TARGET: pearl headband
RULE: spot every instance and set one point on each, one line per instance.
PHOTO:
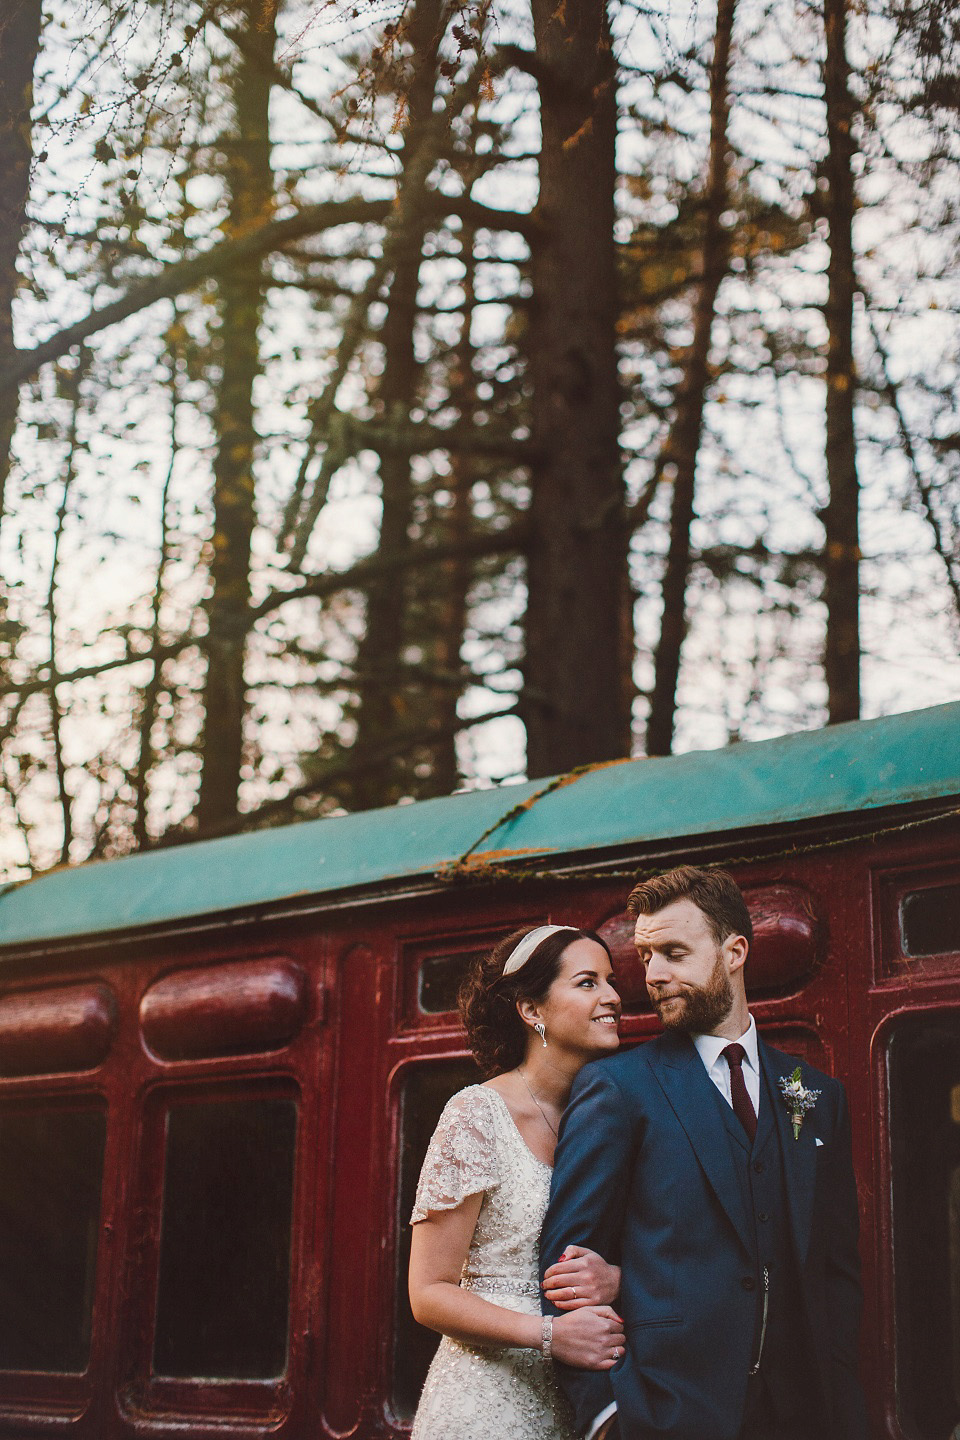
(522, 952)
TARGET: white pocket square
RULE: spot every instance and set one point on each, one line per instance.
(817, 1141)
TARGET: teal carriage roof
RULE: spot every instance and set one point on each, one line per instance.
(864, 765)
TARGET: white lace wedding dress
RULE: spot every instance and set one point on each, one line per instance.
(485, 1392)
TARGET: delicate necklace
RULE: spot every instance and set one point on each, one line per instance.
(538, 1105)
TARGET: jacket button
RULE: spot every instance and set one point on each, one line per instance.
(758, 1166)
(763, 1215)
(748, 1282)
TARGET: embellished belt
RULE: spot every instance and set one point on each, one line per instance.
(501, 1284)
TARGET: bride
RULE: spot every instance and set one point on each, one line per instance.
(536, 1009)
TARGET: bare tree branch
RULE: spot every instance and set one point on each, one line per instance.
(499, 542)
(41, 680)
(50, 606)
(892, 393)
(151, 693)
(344, 767)
(182, 275)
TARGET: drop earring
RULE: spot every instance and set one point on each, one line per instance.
(541, 1030)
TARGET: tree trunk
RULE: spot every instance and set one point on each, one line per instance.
(449, 609)
(250, 182)
(841, 560)
(147, 719)
(383, 707)
(20, 29)
(577, 569)
(683, 443)
(72, 386)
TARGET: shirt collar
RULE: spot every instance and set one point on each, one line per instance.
(711, 1047)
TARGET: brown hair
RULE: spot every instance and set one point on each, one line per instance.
(713, 892)
(488, 998)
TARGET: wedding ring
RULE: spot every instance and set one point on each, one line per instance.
(574, 1289)
(616, 1352)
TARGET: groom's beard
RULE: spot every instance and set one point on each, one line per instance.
(697, 1009)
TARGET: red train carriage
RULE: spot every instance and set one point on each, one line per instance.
(220, 1064)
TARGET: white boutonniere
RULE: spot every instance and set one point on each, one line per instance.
(798, 1099)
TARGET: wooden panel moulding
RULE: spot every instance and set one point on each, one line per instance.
(785, 937)
(241, 1007)
(805, 1041)
(51, 1031)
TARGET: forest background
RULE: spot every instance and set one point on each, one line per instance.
(397, 397)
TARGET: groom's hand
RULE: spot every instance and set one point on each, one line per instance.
(581, 1277)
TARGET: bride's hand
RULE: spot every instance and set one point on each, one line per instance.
(581, 1277)
(590, 1339)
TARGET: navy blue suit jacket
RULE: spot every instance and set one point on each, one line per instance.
(645, 1175)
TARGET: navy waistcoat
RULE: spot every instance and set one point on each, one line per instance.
(786, 1354)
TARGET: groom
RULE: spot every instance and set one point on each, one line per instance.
(736, 1229)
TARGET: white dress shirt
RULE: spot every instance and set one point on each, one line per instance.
(601, 1420)
(710, 1048)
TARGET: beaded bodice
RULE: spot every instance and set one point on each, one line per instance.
(477, 1147)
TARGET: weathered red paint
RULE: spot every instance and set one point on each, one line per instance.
(246, 1007)
(832, 983)
(785, 937)
(68, 1027)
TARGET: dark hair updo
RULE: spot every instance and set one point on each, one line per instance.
(488, 998)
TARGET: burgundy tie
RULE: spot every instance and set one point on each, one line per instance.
(742, 1104)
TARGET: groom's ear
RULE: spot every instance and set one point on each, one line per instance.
(735, 949)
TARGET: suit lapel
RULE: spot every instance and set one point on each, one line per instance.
(799, 1155)
(734, 1129)
(693, 1098)
(766, 1126)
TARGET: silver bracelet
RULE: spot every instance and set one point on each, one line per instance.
(546, 1336)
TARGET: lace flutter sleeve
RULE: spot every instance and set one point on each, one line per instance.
(461, 1158)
